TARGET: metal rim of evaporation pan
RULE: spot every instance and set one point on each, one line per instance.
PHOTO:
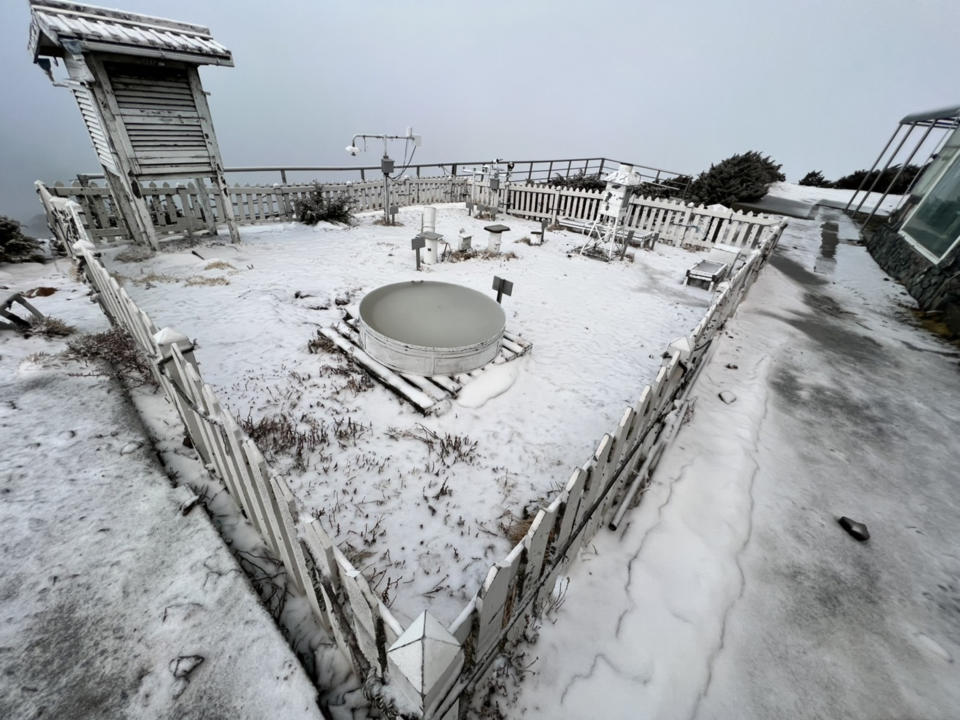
(430, 328)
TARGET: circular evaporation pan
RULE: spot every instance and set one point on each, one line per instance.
(430, 328)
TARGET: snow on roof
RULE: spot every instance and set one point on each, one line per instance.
(58, 25)
(947, 113)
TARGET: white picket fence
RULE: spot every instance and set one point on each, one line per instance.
(517, 588)
(676, 222)
(338, 593)
(192, 207)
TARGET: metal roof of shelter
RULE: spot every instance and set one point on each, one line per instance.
(60, 27)
(948, 117)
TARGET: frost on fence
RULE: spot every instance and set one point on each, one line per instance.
(192, 207)
(424, 670)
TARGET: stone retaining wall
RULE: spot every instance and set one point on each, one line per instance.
(934, 286)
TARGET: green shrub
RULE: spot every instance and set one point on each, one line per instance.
(815, 178)
(580, 181)
(15, 246)
(674, 187)
(739, 178)
(853, 180)
(315, 208)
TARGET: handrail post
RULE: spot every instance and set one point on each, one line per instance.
(910, 129)
(872, 168)
(283, 176)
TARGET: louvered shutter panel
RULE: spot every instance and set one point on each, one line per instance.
(91, 118)
(160, 117)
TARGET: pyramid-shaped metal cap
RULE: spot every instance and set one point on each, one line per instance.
(424, 653)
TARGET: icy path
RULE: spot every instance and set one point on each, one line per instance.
(105, 583)
(734, 593)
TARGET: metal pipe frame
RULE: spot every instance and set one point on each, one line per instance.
(879, 174)
(899, 173)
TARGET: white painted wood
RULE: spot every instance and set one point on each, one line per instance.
(493, 599)
(536, 542)
(572, 495)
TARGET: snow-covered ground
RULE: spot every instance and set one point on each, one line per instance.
(114, 603)
(733, 592)
(424, 523)
(813, 195)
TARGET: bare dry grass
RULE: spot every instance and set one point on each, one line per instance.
(51, 327)
(219, 265)
(199, 280)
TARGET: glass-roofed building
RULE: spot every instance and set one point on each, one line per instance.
(920, 242)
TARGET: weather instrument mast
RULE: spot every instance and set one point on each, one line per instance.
(386, 162)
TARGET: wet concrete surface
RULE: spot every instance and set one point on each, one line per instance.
(863, 411)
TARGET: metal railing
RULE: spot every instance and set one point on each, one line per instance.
(519, 170)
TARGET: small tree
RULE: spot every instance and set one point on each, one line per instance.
(15, 246)
(670, 188)
(743, 177)
(580, 181)
(815, 178)
(315, 208)
(882, 179)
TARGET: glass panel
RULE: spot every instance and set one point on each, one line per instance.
(936, 223)
(936, 166)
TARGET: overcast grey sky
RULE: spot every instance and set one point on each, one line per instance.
(679, 84)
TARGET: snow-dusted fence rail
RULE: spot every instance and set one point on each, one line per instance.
(677, 222)
(192, 207)
(426, 669)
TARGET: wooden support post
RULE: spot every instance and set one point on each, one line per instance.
(190, 219)
(206, 124)
(204, 197)
(283, 176)
(132, 211)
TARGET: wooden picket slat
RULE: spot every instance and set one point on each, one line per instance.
(494, 599)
